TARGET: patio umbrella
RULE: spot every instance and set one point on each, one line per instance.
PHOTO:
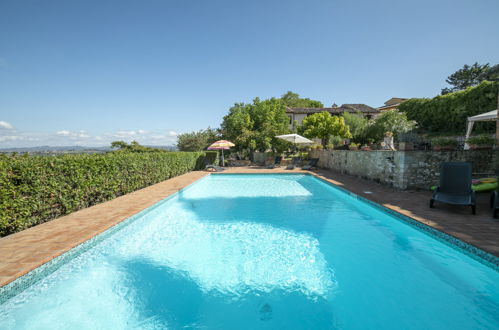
(295, 139)
(221, 145)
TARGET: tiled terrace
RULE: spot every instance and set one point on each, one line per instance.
(26, 250)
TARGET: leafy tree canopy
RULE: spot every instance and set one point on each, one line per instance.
(491, 75)
(323, 125)
(293, 100)
(389, 121)
(254, 126)
(197, 140)
(470, 75)
(357, 124)
(448, 113)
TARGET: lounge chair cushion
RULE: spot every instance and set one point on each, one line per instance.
(214, 167)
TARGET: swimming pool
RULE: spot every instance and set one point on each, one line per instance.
(262, 251)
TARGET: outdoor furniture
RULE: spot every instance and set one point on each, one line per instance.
(296, 161)
(208, 166)
(277, 162)
(311, 164)
(455, 185)
(494, 201)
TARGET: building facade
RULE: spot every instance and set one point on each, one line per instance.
(392, 104)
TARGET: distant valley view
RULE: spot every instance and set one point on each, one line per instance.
(53, 150)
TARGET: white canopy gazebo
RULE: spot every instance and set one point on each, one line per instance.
(487, 116)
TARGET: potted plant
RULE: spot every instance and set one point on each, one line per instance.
(353, 146)
(444, 143)
(480, 142)
(365, 147)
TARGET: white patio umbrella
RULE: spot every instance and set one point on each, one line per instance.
(487, 116)
(295, 138)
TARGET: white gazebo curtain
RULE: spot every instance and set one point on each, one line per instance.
(487, 116)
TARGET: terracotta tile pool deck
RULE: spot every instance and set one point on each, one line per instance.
(26, 250)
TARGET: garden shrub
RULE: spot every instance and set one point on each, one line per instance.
(394, 122)
(444, 142)
(449, 113)
(36, 189)
(481, 140)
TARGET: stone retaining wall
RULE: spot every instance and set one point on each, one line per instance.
(259, 157)
(404, 169)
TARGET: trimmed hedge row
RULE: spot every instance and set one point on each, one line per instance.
(448, 113)
(36, 189)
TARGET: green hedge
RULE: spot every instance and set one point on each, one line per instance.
(36, 189)
(448, 113)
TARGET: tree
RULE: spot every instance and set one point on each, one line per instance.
(119, 145)
(293, 100)
(492, 74)
(197, 140)
(468, 76)
(237, 126)
(357, 124)
(269, 120)
(254, 126)
(134, 146)
(389, 121)
(323, 125)
(449, 113)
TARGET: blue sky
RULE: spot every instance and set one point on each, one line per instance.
(89, 72)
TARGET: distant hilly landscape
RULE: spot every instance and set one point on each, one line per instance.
(69, 149)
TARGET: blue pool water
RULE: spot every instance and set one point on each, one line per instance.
(263, 252)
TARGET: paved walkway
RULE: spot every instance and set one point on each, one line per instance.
(26, 250)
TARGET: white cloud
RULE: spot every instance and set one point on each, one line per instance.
(5, 125)
(124, 134)
(10, 138)
(63, 133)
(128, 133)
(73, 135)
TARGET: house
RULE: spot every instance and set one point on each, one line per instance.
(392, 104)
(296, 115)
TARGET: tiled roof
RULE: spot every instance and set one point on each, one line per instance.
(351, 108)
(360, 108)
(395, 100)
(389, 106)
